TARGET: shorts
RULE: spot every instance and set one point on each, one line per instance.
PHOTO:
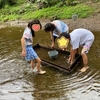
(30, 53)
(86, 47)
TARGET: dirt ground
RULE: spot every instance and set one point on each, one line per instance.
(92, 23)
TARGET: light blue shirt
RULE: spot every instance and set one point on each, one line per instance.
(60, 27)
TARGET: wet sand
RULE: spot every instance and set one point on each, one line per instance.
(92, 23)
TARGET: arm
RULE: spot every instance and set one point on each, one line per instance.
(23, 46)
(72, 55)
(52, 39)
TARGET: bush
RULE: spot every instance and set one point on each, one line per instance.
(69, 2)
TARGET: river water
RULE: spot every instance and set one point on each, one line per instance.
(18, 83)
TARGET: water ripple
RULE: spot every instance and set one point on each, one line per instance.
(54, 85)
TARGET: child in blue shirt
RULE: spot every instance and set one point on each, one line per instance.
(55, 28)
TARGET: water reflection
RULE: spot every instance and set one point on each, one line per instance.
(16, 81)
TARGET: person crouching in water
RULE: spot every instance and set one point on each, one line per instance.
(27, 40)
(79, 38)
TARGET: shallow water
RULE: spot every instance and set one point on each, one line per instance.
(18, 83)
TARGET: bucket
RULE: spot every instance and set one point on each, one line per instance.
(74, 17)
(53, 54)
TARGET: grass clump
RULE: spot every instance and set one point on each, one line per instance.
(28, 11)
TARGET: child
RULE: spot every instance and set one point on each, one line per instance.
(55, 28)
(27, 40)
(79, 38)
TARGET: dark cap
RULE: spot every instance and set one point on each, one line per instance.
(49, 27)
(65, 34)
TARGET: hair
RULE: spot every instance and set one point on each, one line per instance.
(65, 34)
(49, 27)
(35, 21)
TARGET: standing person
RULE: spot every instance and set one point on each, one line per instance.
(27, 40)
(55, 28)
(79, 37)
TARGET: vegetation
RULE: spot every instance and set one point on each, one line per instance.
(60, 9)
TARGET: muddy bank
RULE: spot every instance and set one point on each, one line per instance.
(92, 23)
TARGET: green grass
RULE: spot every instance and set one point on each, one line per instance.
(31, 12)
(63, 12)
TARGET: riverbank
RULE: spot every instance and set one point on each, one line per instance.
(92, 23)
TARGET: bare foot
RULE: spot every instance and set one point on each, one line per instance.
(84, 69)
(42, 72)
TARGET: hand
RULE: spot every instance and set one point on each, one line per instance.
(52, 46)
(69, 60)
(23, 53)
(63, 49)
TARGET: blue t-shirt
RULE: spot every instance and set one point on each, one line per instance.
(60, 27)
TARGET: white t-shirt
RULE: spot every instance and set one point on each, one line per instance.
(60, 27)
(80, 37)
(28, 36)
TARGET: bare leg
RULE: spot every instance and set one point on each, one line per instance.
(85, 61)
(32, 64)
(38, 60)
